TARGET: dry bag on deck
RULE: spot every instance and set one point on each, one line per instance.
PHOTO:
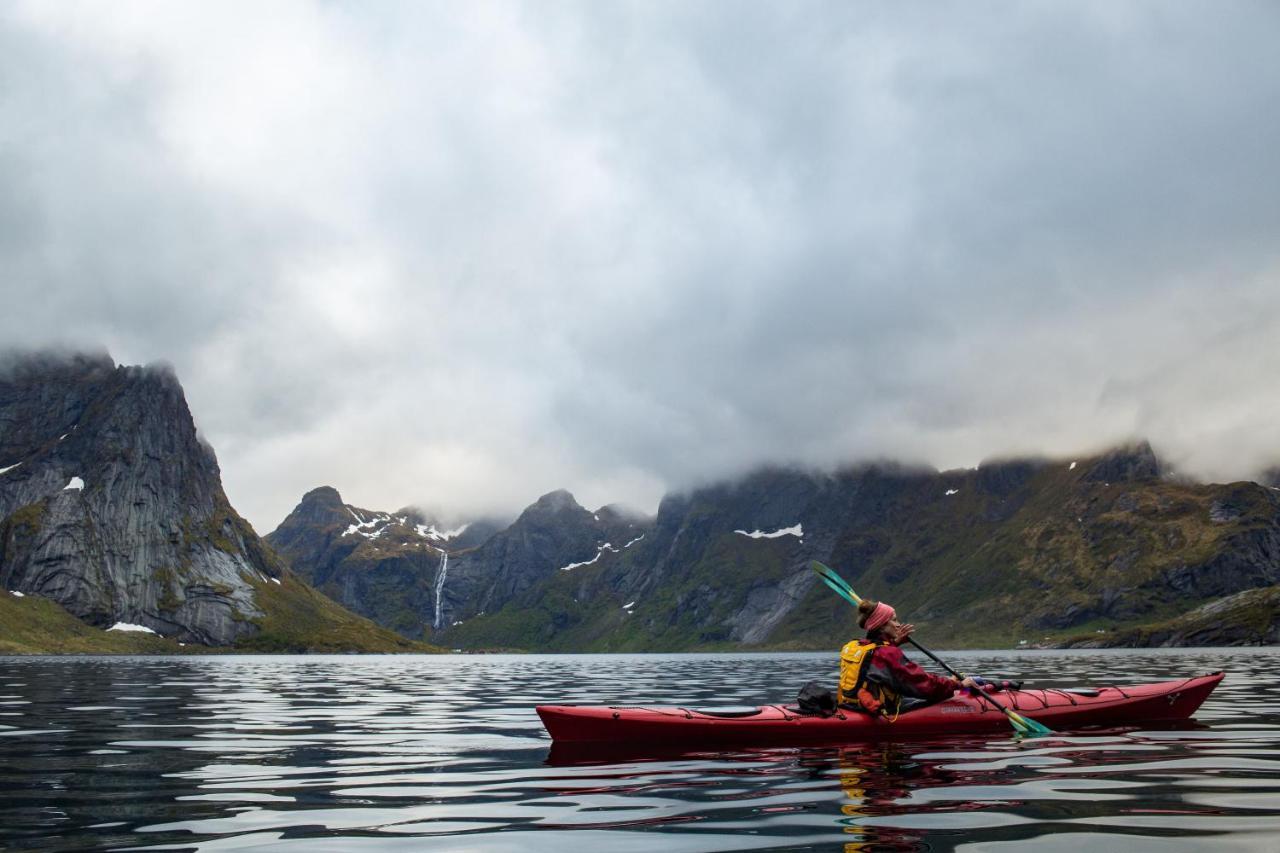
(816, 699)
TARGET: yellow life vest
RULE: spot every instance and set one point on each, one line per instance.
(855, 690)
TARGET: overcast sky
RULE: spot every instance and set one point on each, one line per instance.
(461, 254)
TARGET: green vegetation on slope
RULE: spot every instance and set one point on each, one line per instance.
(32, 625)
(300, 619)
(1251, 617)
(297, 619)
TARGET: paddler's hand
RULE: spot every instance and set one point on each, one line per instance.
(903, 633)
(967, 682)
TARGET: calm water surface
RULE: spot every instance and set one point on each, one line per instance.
(445, 753)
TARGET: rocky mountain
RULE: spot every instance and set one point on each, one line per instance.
(408, 573)
(1023, 550)
(384, 565)
(553, 536)
(112, 507)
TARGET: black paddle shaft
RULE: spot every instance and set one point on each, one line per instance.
(940, 662)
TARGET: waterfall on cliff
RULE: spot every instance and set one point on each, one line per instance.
(443, 570)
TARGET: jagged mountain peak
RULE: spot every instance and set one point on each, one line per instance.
(622, 514)
(321, 507)
(415, 515)
(1006, 476)
(46, 365)
(327, 495)
(54, 390)
(557, 501)
(1129, 462)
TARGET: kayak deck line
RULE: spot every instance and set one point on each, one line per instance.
(962, 713)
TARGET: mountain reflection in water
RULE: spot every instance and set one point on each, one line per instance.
(444, 753)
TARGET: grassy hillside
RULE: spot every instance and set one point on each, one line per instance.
(1249, 618)
(33, 625)
(298, 619)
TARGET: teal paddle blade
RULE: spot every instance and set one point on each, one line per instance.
(840, 592)
(834, 580)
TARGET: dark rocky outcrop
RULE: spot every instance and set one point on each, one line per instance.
(1006, 478)
(113, 507)
(1248, 618)
(1132, 463)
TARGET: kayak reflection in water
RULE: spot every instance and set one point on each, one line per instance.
(883, 780)
(877, 678)
(874, 781)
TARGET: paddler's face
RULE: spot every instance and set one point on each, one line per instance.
(892, 630)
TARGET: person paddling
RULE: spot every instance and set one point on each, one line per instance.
(877, 678)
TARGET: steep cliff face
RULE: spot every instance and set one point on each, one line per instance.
(113, 507)
(112, 510)
(391, 567)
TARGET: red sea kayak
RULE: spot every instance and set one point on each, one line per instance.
(961, 714)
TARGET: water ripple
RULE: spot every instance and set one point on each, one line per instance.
(364, 753)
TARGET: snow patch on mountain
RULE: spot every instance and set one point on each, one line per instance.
(605, 547)
(371, 529)
(796, 530)
(430, 531)
(126, 626)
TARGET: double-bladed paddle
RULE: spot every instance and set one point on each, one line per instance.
(1022, 725)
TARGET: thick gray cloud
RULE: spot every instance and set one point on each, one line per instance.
(462, 254)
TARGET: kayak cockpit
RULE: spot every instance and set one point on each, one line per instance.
(729, 713)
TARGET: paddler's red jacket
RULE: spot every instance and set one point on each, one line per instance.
(891, 668)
